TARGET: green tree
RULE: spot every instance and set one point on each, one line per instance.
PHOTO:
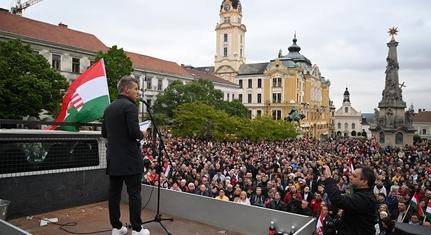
(28, 84)
(199, 120)
(202, 121)
(117, 65)
(234, 108)
(178, 93)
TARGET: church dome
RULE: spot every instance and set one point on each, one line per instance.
(294, 58)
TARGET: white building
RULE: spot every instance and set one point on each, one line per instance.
(347, 119)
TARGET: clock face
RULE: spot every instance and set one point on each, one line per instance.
(226, 7)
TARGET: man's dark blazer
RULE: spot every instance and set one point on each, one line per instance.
(121, 127)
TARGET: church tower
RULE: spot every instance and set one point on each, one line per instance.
(392, 124)
(230, 41)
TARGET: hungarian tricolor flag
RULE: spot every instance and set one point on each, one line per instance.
(415, 204)
(319, 226)
(85, 99)
(428, 211)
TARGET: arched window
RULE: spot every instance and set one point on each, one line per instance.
(353, 126)
(382, 137)
(346, 126)
(339, 125)
(399, 138)
(353, 133)
(339, 133)
(346, 109)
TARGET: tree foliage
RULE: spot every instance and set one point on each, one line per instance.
(199, 120)
(117, 65)
(234, 108)
(178, 93)
(28, 84)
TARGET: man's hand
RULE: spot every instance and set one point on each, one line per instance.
(326, 172)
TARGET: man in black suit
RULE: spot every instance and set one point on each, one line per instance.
(359, 208)
(124, 159)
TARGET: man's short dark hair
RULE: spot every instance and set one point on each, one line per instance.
(368, 175)
(126, 82)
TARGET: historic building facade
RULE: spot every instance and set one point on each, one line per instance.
(392, 124)
(71, 52)
(348, 121)
(275, 87)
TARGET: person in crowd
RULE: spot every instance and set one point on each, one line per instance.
(401, 214)
(125, 163)
(243, 199)
(277, 203)
(222, 196)
(203, 191)
(257, 199)
(360, 208)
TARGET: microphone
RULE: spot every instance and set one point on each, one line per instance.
(141, 98)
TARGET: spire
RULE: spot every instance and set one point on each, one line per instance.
(294, 47)
(392, 94)
(346, 96)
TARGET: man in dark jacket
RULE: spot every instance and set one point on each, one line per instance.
(360, 208)
(124, 159)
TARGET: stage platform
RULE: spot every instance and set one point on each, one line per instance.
(94, 217)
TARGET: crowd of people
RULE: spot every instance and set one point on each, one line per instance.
(286, 175)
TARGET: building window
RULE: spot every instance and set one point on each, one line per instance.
(148, 81)
(276, 114)
(276, 97)
(233, 96)
(159, 84)
(259, 98)
(250, 83)
(249, 100)
(225, 37)
(249, 113)
(353, 126)
(228, 96)
(240, 53)
(240, 83)
(339, 125)
(276, 82)
(240, 98)
(56, 62)
(227, 19)
(259, 113)
(353, 133)
(75, 65)
(225, 52)
(346, 126)
(346, 109)
(424, 131)
(259, 83)
(399, 138)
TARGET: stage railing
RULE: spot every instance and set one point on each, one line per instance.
(231, 216)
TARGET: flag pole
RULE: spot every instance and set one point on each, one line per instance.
(406, 213)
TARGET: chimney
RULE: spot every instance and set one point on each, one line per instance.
(62, 25)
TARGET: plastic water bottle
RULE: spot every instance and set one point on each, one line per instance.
(271, 229)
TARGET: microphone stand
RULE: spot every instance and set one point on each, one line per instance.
(158, 218)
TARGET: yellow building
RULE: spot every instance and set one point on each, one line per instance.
(271, 88)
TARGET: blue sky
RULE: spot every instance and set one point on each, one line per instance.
(345, 38)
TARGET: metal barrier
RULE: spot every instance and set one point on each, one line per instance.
(232, 216)
(44, 170)
(9, 229)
